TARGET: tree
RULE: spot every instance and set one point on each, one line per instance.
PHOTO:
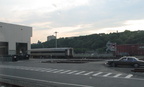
(98, 42)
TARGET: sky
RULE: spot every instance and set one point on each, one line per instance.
(72, 18)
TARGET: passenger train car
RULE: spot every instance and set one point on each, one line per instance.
(52, 53)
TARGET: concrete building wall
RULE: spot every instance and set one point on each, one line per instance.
(13, 34)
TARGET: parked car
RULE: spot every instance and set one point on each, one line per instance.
(132, 61)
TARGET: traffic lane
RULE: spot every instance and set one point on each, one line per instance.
(126, 69)
(91, 66)
(41, 78)
(66, 80)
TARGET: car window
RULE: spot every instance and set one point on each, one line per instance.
(131, 59)
(135, 59)
(123, 59)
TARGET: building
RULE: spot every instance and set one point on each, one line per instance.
(130, 50)
(14, 39)
(51, 37)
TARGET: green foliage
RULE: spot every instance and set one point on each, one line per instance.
(94, 42)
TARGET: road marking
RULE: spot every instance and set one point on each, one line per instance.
(107, 74)
(26, 69)
(58, 71)
(117, 75)
(36, 69)
(39, 69)
(42, 70)
(80, 72)
(39, 80)
(88, 73)
(65, 71)
(31, 69)
(17, 67)
(52, 70)
(72, 72)
(97, 73)
(129, 76)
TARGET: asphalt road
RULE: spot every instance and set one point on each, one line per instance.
(33, 73)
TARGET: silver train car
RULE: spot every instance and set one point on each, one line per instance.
(52, 53)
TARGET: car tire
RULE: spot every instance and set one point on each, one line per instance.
(136, 65)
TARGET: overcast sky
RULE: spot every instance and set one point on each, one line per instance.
(73, 17)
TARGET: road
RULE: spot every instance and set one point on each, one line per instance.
(33, 73)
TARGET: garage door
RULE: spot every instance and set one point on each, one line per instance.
(3, 48)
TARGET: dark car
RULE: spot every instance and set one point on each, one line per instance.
(132, 61)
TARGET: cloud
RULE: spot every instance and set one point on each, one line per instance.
(73, 17)
(28, 9)
(62, 32)
(104, 10)
(38, 25)
(41, 5)
(132, 25)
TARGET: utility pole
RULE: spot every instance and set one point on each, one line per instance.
(56, 39)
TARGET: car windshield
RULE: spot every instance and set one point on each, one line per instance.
(134, 58)
(122, 59)
(66, 43)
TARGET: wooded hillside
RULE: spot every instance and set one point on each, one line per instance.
(95, 42)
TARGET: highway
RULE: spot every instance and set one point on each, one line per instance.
(33, 73)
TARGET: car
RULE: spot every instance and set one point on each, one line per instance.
(132, 61)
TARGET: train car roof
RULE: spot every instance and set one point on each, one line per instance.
(39, 49)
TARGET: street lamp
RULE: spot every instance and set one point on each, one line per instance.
(56, 39)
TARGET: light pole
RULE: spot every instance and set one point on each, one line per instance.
(56, 39)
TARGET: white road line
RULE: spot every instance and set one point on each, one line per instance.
(32, 69)
(58, 71)
(80, 72)
(129, 76)
(117, 75)
(39, 80)
(51, 70)
(28, 69)
(72, 72)
(97, 74)
(88, 73)
(45, 70)
(65, 71)
(36, 70)
(61, 71)
(25, 69)
(107, 74)
(42, 70)
(21, 68)
(17, 68)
